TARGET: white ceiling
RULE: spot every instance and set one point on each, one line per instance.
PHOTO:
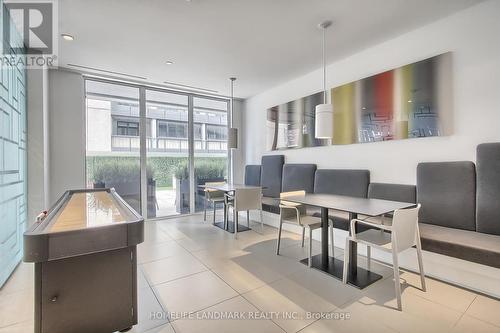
(261, 42)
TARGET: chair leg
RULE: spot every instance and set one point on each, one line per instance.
(397, 284)
(261, 221)
(310, 247)
(332, 244)
(248, 218)
(226, 211)
(368, 257)
(235, 223)
(205, 209)
(420, 263)
(346, 260)
(215, 206)
(303, 235)
(279, 238)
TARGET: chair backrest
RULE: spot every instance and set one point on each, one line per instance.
(213, 184)
(292, 193)
(247, 199)
(285, 214)
(404, 226)
(213, 193)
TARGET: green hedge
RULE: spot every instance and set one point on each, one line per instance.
(102, 168)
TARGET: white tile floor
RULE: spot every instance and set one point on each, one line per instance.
(187, 266)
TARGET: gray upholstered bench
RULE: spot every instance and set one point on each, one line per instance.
(447, 192)
(463, 244)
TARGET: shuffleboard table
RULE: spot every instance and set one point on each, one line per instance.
(84, 251)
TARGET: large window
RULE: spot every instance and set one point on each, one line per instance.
(185, 135)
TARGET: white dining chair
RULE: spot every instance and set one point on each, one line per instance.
(396, 238)
(244, 199)
(213, 196)
(294, 213)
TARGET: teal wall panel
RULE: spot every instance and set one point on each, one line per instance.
(12, 162)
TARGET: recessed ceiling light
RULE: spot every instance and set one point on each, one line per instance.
(67, 37)
(409, 101)
(169, 62)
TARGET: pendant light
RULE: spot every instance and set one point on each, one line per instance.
(324, 112)
(232, 135)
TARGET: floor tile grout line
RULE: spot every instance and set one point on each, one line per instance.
(480, 319)
(159, 259)
(260, 310)
(180, 278)
(209, 306)
(463, 314)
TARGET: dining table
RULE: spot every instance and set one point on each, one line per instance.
(229, 188)
(354, 206)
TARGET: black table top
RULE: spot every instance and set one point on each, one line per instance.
(365, 206)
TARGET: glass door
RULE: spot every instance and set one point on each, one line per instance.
(113, 144)
(167, 152)
(210, 117)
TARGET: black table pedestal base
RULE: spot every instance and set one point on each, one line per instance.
(230, 227)
(335, 267)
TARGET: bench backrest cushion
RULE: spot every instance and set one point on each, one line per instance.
(353, 183)
(252, 175)
(271, 173)
(447, 192)
(488, 188)
(298, 177)
(394, 192)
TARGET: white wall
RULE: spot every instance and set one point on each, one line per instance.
(67, 132)
(38, 145)
(471, 36)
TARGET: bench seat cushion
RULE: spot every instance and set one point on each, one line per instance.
(463, 244)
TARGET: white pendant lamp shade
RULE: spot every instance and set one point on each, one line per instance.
(232, 133)
(232, 138)
(324, 121)
(324, 112)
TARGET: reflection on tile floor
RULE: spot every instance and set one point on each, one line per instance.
(191, 273)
